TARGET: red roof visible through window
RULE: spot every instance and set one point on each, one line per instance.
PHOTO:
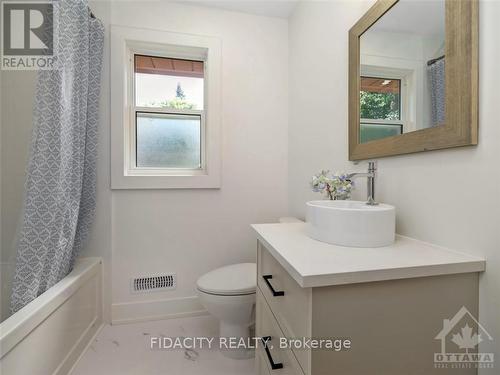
(380, 85)
(168, 66)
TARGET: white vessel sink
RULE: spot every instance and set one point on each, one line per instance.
(351, 223)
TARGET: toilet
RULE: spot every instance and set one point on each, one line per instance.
(228, 293)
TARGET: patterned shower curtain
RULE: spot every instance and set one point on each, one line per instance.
(60, 182)
(436, 72)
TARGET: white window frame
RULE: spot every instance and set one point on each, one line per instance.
(402, 101)
(409, 99)
(133, 169)
(127, 42)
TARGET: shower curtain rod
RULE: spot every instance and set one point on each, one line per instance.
(430, 62)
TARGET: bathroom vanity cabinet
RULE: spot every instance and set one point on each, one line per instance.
(390, 303)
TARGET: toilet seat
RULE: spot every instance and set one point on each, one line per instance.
(233, 280)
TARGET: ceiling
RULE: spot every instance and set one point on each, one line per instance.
(270, 8)
(414, 17)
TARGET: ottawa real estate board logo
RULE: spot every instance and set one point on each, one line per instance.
(27, 35)
(460, 337)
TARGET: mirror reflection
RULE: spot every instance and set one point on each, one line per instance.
(402, 68)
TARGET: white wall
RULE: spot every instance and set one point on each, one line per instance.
(403, 55)
(17, 103)
(186, 231)
(193, 231)
(99, 244)
(447, 197)
(318, 100)
(17, 90)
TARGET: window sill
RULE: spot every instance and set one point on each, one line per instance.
(123, 182)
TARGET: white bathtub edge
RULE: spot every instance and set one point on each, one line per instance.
(77, 352)
(16, 327)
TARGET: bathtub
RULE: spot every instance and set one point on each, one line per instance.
(49, 334)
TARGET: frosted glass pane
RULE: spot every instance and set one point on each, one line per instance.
(168, 141)
(371, 132)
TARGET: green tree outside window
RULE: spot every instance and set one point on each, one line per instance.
(381, 106)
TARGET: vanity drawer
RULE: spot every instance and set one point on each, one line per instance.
(266, 326)
(260, 362)
(292, 309)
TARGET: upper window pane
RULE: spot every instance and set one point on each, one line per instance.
(168, 83)
(380, 98)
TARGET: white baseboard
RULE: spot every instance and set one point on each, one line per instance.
(123, 313)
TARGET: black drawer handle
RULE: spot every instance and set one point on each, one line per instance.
(276, 293)
(274, 366)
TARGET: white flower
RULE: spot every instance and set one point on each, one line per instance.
(334, 186)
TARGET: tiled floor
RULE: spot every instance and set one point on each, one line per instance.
(125, 350)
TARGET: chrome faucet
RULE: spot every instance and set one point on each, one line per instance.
(370, 175)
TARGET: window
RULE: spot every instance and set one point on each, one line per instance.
(165, 110)
(380, 108)
(168, 113)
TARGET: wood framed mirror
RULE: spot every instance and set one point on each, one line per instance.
(413, 77)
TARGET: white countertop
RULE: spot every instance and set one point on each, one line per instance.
(312, 263)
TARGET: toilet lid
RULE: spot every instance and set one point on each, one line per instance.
(230, 280)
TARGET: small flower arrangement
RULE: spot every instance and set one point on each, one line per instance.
(335, 186)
